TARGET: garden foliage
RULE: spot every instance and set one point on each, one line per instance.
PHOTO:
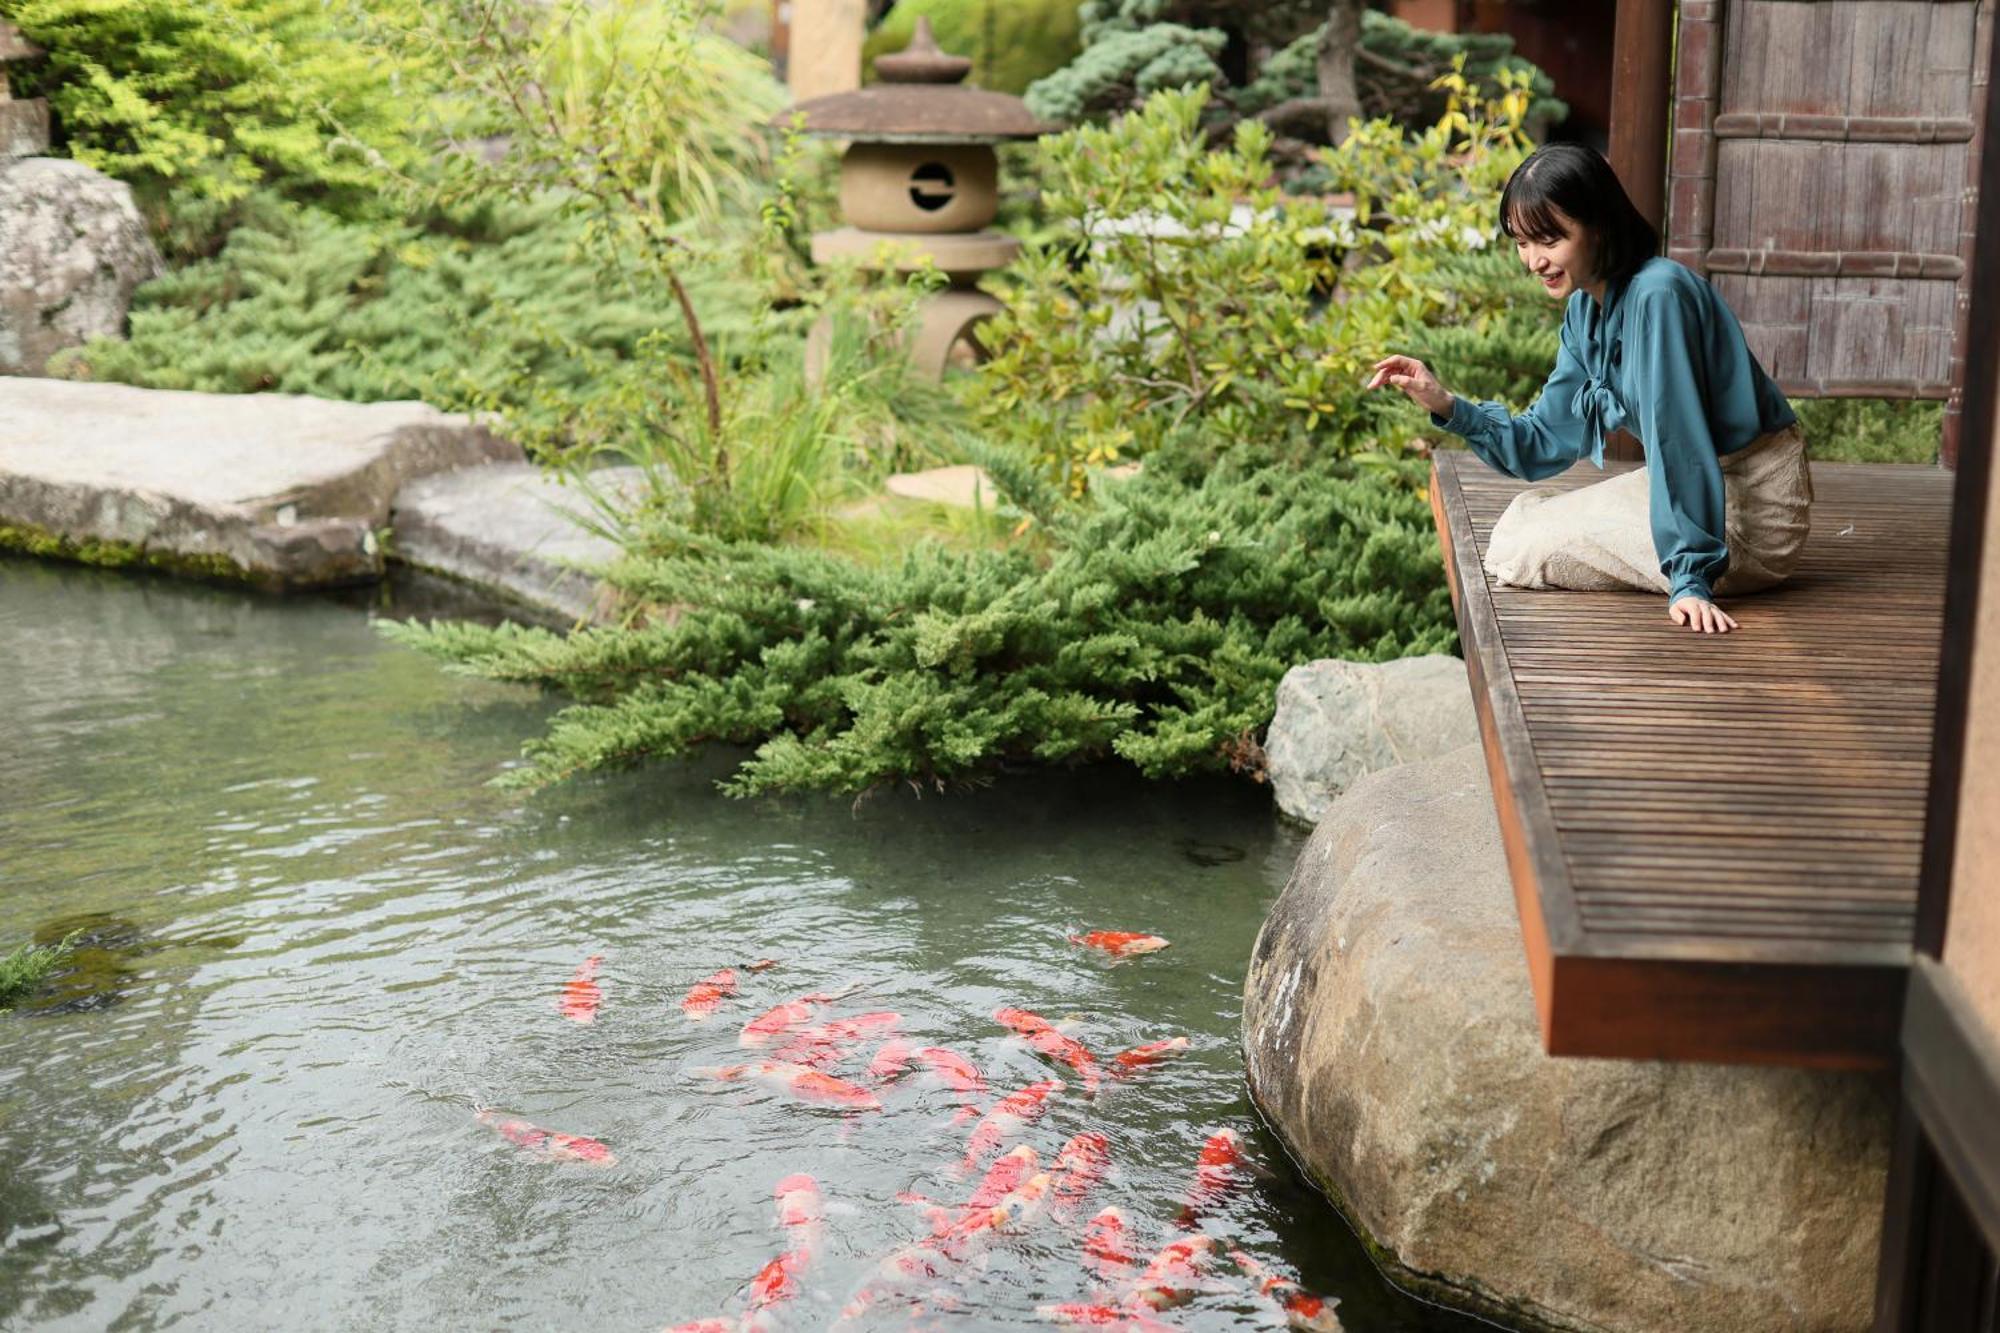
(1182, 295)
(1011, 43)
(1134, 48)
(1157, 634)
(212, 99)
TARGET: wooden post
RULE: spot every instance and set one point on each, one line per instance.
(1641, 64)
(824, 47)
(1641, 67)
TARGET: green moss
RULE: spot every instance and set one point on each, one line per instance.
(27, 539)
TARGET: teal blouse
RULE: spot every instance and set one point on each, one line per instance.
(1665, 359)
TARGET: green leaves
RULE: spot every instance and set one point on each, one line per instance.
(1157, 633)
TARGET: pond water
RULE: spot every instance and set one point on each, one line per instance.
(314, 942)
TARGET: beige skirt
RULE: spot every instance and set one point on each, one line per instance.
(1600, 537)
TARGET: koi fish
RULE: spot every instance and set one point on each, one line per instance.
(1107, 1245)
(959, 1075)
(1152, 1053)
(777, 1281)
(1044, 1039)
(800, 1211)
(547, 1143)
(706, 996)
(1302, 1309)
(800, 1081)
(1120, 943)
(826, 1043)
(890, 1060)
(1080, 1164)
(1217, 1169)
(708, 1326)
(761, 965)
(581, 994)
(1102, 1316)
(1016, 1206)
(779, 1019)
(1173, 1274)
(1009, 1116)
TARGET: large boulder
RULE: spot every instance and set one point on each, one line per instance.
(1391, 1040)
(72, 249)
(274, 489)
(1338, 720)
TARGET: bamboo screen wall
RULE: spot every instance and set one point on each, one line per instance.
(1822, 175)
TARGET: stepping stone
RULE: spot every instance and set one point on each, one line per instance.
(277, 490)
(513, 528)
(962, 487)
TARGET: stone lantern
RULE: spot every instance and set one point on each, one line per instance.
(920, 175)
(24, 126)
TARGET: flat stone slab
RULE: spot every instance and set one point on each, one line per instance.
(279, 490)
(1390, 1038)
(961, 486)
(513, 528)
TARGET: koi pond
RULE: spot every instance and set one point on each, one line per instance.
(314, 946)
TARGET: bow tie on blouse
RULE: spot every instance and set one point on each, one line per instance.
(1597, 407)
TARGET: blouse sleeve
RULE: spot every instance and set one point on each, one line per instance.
(1684, 473)
(1540, 442)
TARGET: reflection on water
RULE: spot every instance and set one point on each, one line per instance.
(314, 943)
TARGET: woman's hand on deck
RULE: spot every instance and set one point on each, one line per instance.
(1414, 378)
(1701, 615)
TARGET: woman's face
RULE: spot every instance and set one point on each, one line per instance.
(1563, 266)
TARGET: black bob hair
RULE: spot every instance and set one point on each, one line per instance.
(1578, 181)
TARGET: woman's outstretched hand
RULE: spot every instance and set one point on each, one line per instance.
(1701, 615)
(1414, 378)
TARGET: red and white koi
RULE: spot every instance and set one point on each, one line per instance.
(581, 995)
(547, 1144)
(1218, 1169)
(1107, 1245)
(780, 1019)
(800, 1211)
(1080, 1165)
(803, 1082)
(1044, 1038)
(706, 996)
(1009, 1116)
(827, 1043)
(1301, 1308)
(891, 1059)
(1173, 1274)
(1152, 1053)
(1085, 1315)
(1120, 943)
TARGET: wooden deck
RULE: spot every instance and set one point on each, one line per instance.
(1714, 839)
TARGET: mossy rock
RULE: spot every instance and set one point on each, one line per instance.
(1011, 42)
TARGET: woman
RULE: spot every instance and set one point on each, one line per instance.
(1722, 503)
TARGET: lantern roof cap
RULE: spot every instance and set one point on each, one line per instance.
(922, 99)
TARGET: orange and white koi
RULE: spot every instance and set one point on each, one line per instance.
(547, 1143)
(1152, 1053)
(706, 996)
(581, 994)
(776, 1282)
(1085, 1315)
(1080, 1164)
(1217, 1170)
(803, 1082)
(1045, 1039)
(1173, 1274)
(708, 1326)
(953, 1070)
(891, 1058)
(822, 1045)
(1120, 943)
(1009, 1116)
(776, 1021)
(1107, 1245)
(1302, 1309)
(761, 965)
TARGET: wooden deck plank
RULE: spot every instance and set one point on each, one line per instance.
(1714, 839)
